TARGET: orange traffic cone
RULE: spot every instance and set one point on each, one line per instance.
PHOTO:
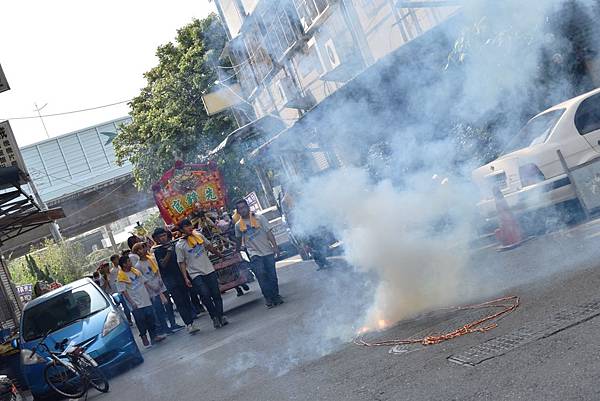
(509, 233)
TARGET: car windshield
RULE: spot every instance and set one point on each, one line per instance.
(535, 131)
(61, 310)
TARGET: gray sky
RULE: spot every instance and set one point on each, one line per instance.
(75, 54)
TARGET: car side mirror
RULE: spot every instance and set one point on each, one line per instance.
(15, 343)
(116, 298)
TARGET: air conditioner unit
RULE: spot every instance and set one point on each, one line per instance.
(332, 54)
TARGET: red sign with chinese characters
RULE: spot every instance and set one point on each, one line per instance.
(185, 185)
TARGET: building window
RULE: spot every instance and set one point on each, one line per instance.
(280, 34)
(309, 10)
(243, 70)
(259, 57)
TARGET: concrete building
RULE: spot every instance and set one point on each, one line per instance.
(291, 56)
(64, 165)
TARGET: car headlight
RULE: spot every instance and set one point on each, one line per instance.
(111, 323)
(28, 357)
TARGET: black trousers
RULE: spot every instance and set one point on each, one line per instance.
(318, 249)
(144, 320)
(263, 268)
(208, 288)
(179, 293)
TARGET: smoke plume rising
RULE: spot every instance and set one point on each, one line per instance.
(408, 229)
(406, 211)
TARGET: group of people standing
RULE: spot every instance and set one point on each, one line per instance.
(151, 273)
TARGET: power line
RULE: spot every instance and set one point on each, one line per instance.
(67, 112)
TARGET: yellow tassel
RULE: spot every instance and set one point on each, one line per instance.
(153, 264)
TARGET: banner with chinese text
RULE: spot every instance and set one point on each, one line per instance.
(185, 185)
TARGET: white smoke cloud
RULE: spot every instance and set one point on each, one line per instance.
(406, 230)
(412, 239)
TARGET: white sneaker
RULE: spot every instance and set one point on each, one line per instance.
(193, 328)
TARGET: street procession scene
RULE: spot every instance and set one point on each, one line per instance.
(268, 200)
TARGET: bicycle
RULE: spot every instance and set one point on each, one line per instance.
(71, 371)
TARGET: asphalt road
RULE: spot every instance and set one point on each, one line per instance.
(302, 350)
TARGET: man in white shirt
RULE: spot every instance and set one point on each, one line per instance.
(149, 268)
(193, 259)
(133, 286)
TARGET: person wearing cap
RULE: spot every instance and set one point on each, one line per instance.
(166, 257)
(192, 255)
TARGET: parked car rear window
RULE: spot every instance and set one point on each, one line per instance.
(535, 131)
(587, 118)
(62, 310)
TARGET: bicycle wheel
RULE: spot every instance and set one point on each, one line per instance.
(64, 381)
(93, 375)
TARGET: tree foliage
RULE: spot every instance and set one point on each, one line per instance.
(169, 119)
(63, 262)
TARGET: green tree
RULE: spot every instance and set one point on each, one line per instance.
(20, 271)
(152, 222)
(169, 119)
(64, 262)
(34, 270)
(48, 277)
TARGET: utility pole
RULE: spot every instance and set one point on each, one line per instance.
(111, 237)
(39, 109)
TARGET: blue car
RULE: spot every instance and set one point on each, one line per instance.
(82, 313)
